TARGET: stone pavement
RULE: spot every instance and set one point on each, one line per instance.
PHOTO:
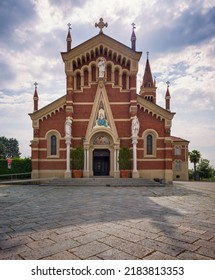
(52, 222)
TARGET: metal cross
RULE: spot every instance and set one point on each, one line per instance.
(69, 25)
(101, 25)
(168, 83)
(133, 24)
(35, 84)
(147, 54)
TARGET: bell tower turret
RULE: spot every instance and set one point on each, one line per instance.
(148, 87)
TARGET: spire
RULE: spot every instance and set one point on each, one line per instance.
(36, 98)
(167, 97)
(148, 87)
(133, 38)
(147, 78)
(69, 38)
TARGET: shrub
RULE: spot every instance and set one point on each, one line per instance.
(18, 166)
(124, 158)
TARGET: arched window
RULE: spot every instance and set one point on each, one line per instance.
(93, 70)
(53, 145)
(149, 144)
(109, 73)
(150, 137)
(116, 77)
(78, 81)
(124, 80)
(86, 77)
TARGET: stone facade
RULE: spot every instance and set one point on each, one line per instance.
(101, 106)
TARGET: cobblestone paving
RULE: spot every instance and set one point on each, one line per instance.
(50, 222)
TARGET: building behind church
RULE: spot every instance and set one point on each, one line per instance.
(102, 112)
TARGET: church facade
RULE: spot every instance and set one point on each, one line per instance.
(102, 112)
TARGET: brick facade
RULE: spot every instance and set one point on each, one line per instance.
(103, 108)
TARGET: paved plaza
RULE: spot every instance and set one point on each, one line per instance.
(63, 222)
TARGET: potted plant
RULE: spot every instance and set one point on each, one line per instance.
(124, 162)
(77, 161)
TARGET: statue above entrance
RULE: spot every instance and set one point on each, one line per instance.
(101, 119)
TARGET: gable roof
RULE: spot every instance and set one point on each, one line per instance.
(106, 42)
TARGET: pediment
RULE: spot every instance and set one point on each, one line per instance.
(101, 44)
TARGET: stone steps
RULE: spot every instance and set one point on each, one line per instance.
(103, 181)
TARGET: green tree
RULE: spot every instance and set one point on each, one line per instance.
(205, 170)
(195, 157)
(9, 147)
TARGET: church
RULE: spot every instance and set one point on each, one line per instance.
(102, 112)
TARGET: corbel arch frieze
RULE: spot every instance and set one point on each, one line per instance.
(51, 113)
(101, 50)
(149, 111)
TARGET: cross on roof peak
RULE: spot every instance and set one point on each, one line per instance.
(101, 25)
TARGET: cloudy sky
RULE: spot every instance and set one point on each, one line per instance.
(180, 36)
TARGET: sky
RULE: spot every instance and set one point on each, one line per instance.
(179, 36)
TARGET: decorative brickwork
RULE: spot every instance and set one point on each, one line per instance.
(101, 106)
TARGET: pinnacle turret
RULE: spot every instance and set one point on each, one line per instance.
(69, 38)
(133, 38)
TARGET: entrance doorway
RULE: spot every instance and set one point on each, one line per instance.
(101, 162)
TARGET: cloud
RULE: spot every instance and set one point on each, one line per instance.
(186, 27)
(180, 36)
(16, 19)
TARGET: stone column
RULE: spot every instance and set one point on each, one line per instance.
(116, 171)
(117, 158)
(135, 173)
(135, 126)
(115, 161)
(68, 138)
(68, 170)
(86, 161)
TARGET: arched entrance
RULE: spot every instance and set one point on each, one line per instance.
(101, 154)
(101, 162)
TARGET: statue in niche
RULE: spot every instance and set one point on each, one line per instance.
(101, 118)
(101, 66)
(135, 126)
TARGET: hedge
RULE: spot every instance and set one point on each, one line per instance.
(18, 166)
